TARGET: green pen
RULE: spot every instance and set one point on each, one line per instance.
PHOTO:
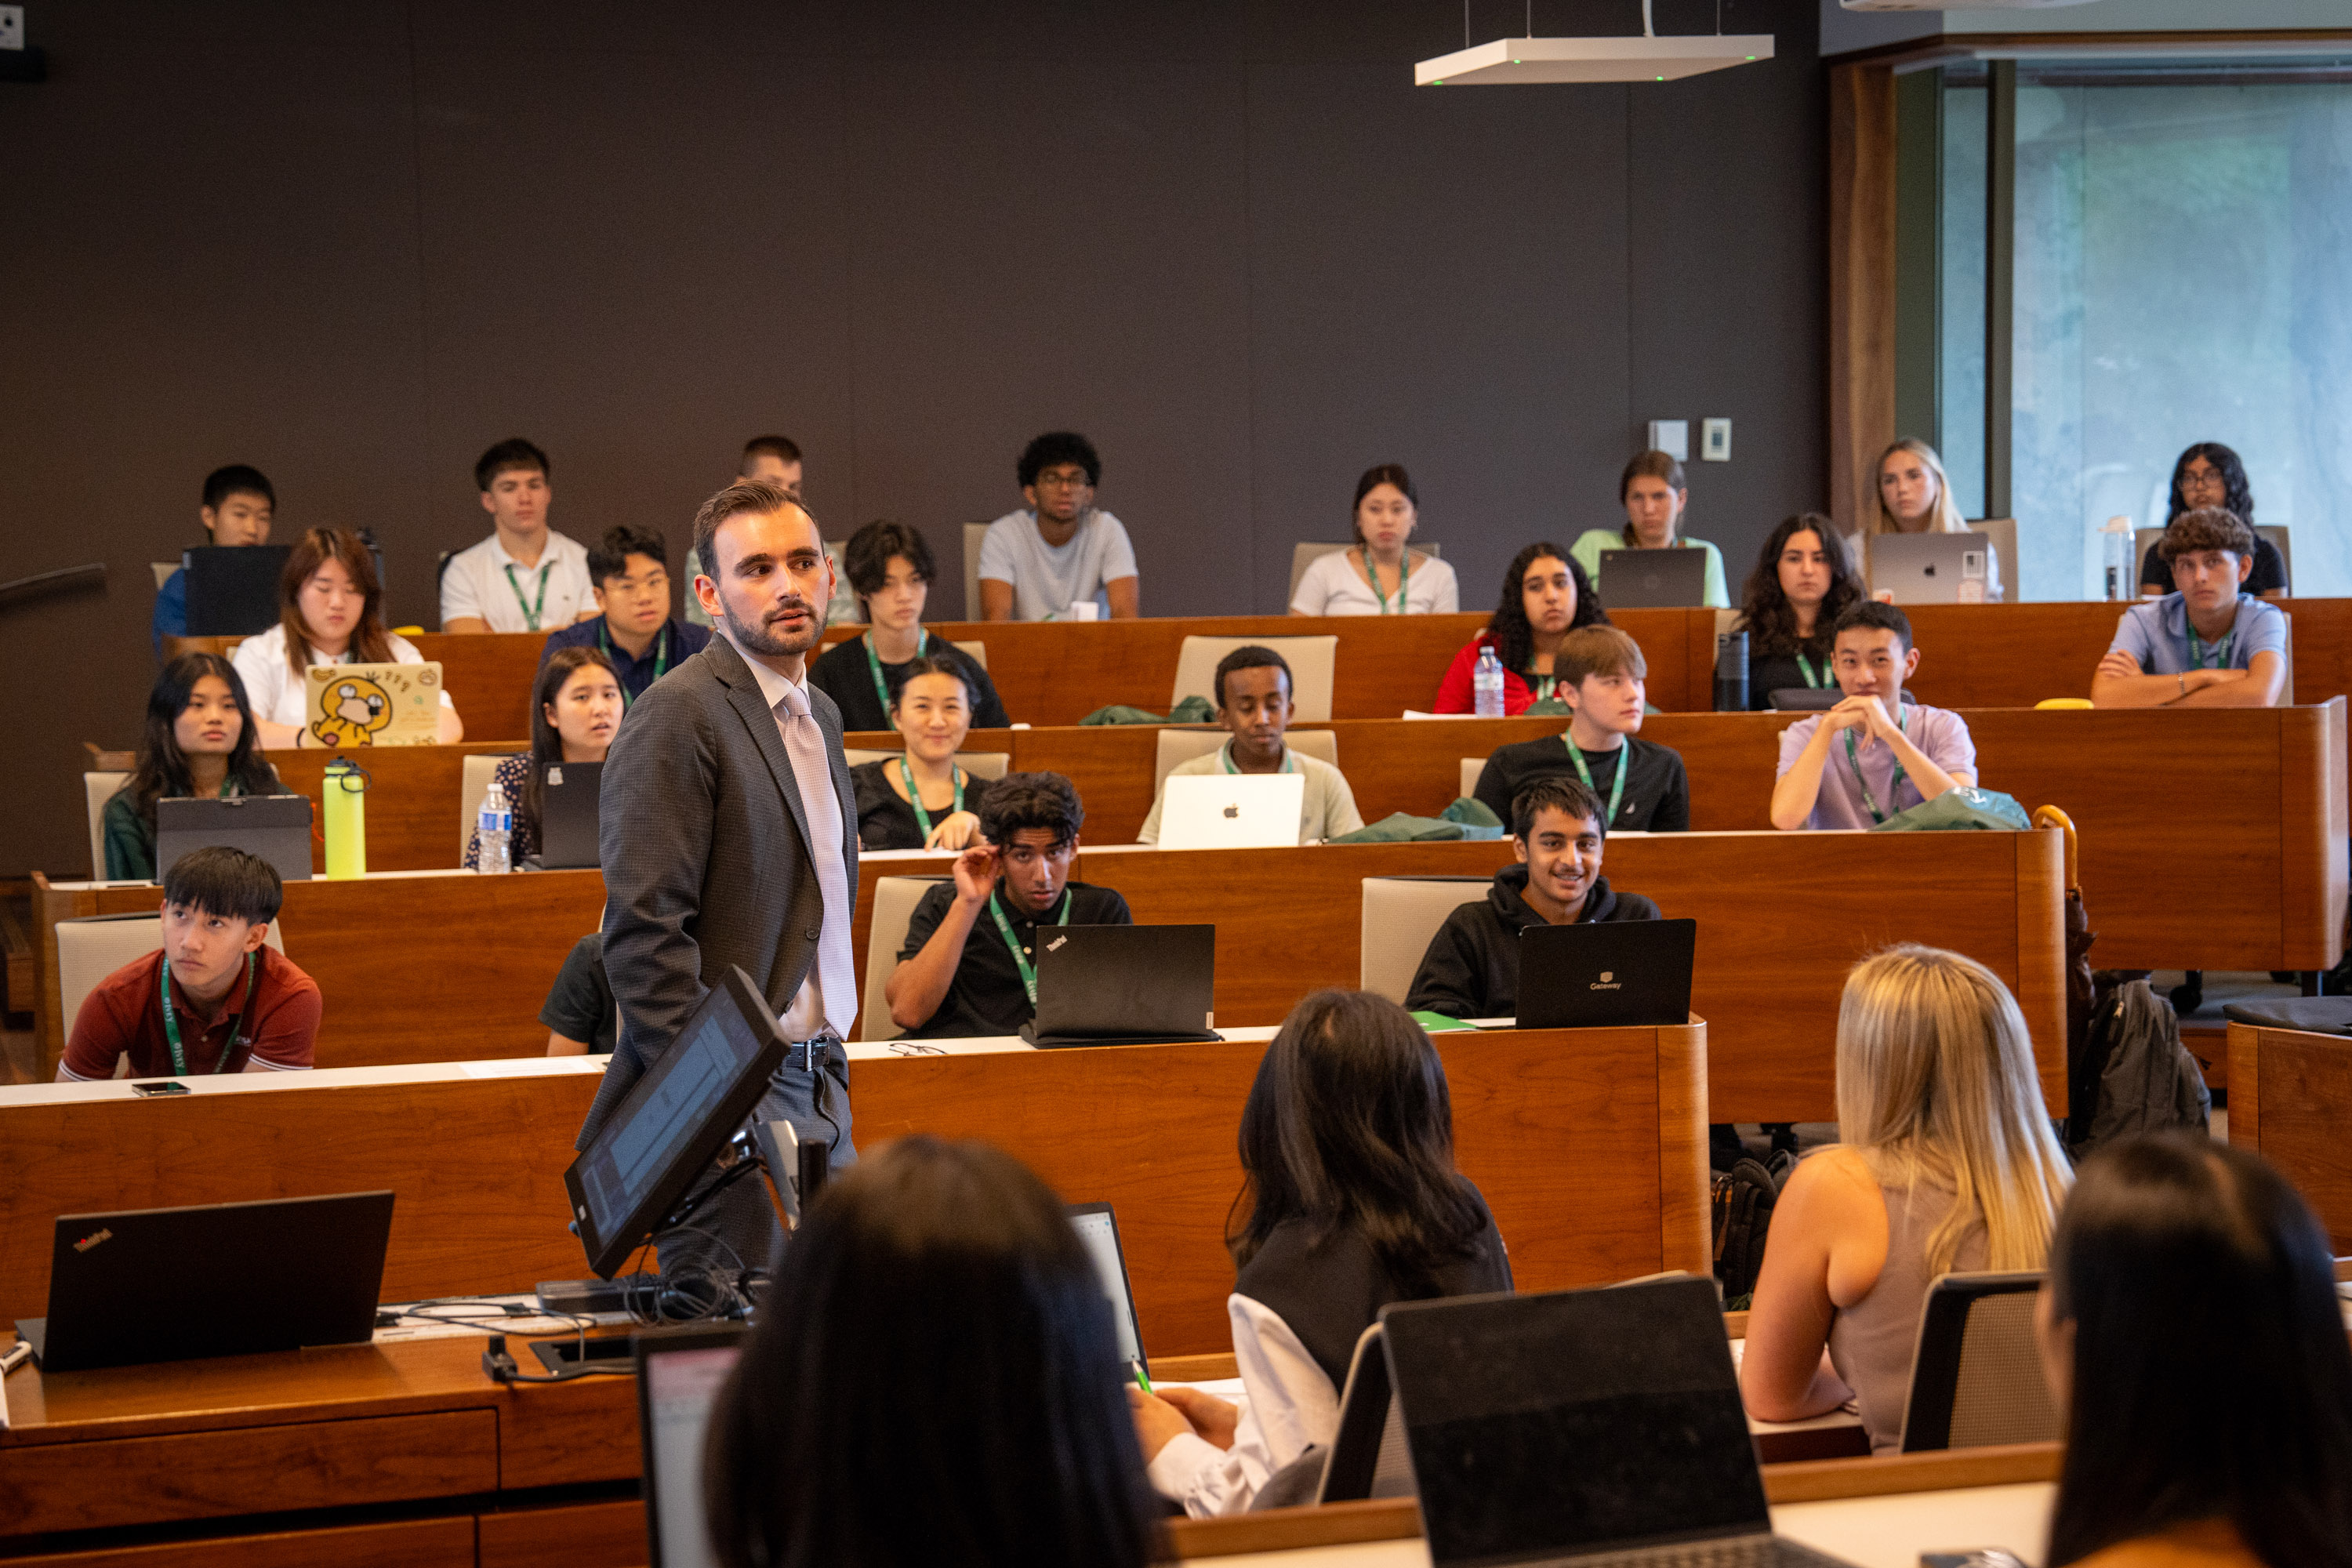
(1141, 1381)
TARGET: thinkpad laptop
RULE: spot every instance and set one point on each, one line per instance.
(1655, 579)
(680, 1374)
(274, 827)
(153, 1285)
(1124, 986)
(233, 589)
(1582, 1427)
(1097, 1227)
(1231, 811)
(1927, 568)
(1605, 976)
(567, 816)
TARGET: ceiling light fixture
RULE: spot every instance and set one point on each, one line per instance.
(1648, 58)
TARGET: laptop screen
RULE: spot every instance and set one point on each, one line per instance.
(1099, 1231)
(1580, 1421)
(678, 1386)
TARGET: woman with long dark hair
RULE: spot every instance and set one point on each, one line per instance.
(2190, 1324)
(1546, 595)
(1353, 1202)
(575, 711)
(935, 1379)
(2209, 474)
(200, 741)
(1803, 581)
(1380, 574)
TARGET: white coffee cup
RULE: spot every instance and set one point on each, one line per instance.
(1085, 610)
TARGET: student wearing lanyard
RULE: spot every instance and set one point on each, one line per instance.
(525, 577)
(920, 799)
(1378, 575)
(633, 628)
(1804, 580)
(2207, 643)
(889, 569)
(969, 965)
(1546, 595)
(1253, 704)
(215, 998)
(1871, 756)
(1601, 675)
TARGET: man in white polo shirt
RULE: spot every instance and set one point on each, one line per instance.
(525, 577)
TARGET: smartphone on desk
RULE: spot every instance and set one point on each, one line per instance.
(148, 1090)
(1988, 1557)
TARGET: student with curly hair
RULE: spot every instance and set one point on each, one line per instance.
(1546, 595)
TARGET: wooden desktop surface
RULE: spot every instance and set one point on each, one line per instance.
(445, 968)
(2290, 1101)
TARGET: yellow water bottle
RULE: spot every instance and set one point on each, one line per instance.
(346, 797)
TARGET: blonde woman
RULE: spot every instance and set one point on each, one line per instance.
(1914, 497)
(1948, 1164)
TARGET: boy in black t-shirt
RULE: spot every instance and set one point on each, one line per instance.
(967, 967)
(1642, 786)
(579, 1016)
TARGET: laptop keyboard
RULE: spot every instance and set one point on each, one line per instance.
(1738, 1552)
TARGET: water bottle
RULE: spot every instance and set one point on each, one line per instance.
(1731, 673)
(345, 795)
(2116, 543)
(494, 830)
(1488, 682)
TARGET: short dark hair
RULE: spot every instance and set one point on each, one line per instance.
(1253, 658)
(237, 480)
(509, 455)
(1020, 801)
(226, 882)
(609, 556)
(939, 663)
(1872, 615)
(2207, 528)
(1556, 792)
(783, 448)
(755, 497)
(866, 559)
(1055, 447)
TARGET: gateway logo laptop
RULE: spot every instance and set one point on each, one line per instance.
(1607, 982)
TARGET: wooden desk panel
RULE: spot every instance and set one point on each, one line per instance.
(444, 1543)
(2289, 1098)
(488, 676)
(412, 800)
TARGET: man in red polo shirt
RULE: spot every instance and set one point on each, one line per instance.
(215, 998)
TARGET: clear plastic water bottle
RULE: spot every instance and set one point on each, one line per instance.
(494, 832)
(1488, 682)
(2116, 542)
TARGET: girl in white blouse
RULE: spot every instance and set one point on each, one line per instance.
(1378, 575)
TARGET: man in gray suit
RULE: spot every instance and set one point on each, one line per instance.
(730, 838)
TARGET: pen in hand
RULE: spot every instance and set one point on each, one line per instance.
(1141, 1381)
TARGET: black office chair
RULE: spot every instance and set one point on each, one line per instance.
(1975, 1374)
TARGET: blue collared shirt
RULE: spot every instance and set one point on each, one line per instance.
(2157, 634)
(171, 609)
(683, 643)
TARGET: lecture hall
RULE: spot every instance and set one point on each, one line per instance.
(979, 941)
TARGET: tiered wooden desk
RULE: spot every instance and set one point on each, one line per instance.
(2291, 1102)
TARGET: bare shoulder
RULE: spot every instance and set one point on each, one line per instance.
(1829, 1185)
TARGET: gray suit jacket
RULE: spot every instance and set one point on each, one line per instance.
(704, 846)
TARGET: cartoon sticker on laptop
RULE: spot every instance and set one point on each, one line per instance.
(373, 704)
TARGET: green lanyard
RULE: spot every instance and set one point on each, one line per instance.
(239, 1041)
(1893, 784)
(915, 797)
(882, 692)
(1225, 755)
(531, 611)
(604, 645)
(1617, 789)
(1805, 665)
(1012, 943)
(1404, 580)
(2197, 646)
(1543, 686)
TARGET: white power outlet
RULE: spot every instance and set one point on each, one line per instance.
(11, 27)
(1715, 441)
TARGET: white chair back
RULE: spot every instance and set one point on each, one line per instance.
(895, 899)
(1471, 768)
(1311, 661)
(1177, 746)
(97, 789)
(162, 569)
(972, 534)
(1402, 914)
(979, 764)
(91, 948)
(473, 784)
(976, 649)
(1306, 553)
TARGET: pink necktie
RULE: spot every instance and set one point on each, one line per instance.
(836, 970)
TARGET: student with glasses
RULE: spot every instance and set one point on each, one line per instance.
(632, 627)
(2210, 475)
(1059, 549)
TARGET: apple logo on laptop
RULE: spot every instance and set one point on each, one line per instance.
(1929, 569)
(1232, 811)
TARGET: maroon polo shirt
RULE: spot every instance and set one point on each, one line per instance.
(123, 1015)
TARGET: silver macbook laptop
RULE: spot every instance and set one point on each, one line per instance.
(1928, 568)
(1653, 579)
(1231, 811)
(274, 827)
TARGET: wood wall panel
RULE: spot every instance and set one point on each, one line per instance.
(1862, 245)
(2289, 1098)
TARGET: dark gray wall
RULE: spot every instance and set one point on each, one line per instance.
(354, 244)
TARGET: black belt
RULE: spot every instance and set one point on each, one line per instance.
(818, 1052)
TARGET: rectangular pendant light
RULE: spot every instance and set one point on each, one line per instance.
(1512, 62)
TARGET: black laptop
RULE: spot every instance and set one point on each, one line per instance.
(1367, 1457)
(273, 827)
(1608, 975)
(1097, 1228)
(567, 816)
(233, 589)
(1582, 1425)
(1655, 579)
(151, 1285)
(1124, 986)
(680, 1374)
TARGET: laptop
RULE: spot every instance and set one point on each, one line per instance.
(1580, 1426)
(680, 1374)
(233, 589)
(1124, 986)
(1097, 1227)
(1367, 1457)
(153, 1285)
(373, 704)
(1927, 568)
(1231, 811)
(567, 816)
(1623, 974)
(1655, 579)
(276, 827)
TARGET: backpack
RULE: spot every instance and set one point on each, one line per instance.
(2134, 1075)
(1742, 1200)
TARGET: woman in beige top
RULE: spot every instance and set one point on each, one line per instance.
(2189, 1324)
(1947, 1164)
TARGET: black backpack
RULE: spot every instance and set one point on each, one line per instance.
(1743, 1198)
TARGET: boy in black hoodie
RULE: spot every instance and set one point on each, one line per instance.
(1471, 967)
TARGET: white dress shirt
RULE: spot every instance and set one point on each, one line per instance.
(476, 584)
(1290, 1407)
